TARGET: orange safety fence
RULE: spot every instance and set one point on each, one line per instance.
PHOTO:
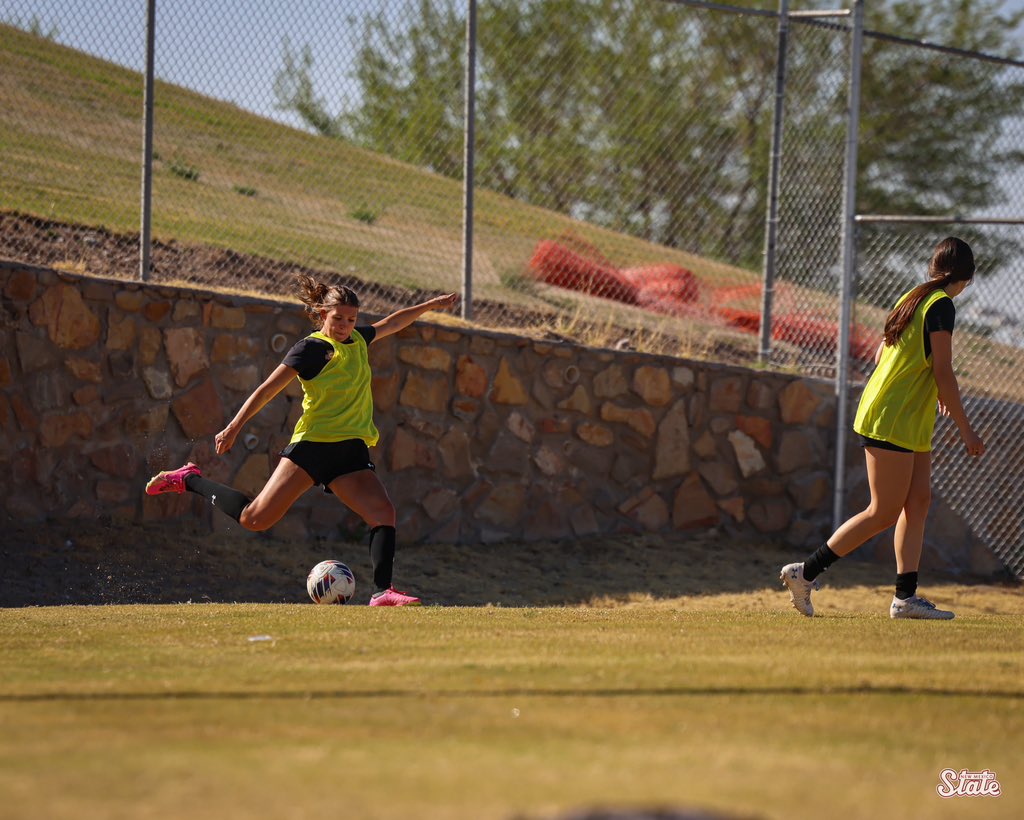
(674, 290)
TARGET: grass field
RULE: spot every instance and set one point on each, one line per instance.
(669, 680)
(492, 712)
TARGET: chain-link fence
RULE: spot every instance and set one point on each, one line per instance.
(621, 161)
(982, 183)
(988, 353)
(805, 315)
(70, 132)
(620, 177)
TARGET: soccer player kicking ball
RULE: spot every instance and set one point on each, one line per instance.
(895, 420)
(330, 444)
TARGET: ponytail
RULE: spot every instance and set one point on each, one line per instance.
(952, 261)
(317, 296)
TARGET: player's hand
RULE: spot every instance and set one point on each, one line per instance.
(225, 440)
(443, 302)
(973, 443)
(943, 410)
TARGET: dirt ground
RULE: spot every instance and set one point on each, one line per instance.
(172, 562)
(96, 251)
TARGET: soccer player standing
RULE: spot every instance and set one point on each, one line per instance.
(895, 420)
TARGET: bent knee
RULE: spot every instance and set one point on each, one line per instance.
(884, 517)
(256, 520)
(381, 515)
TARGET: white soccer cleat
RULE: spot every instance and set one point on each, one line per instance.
(919, 608)
(792, 576)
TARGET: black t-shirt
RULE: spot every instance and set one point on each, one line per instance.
(309, 356)
(940, 316)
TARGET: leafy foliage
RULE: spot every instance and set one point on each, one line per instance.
(648, 119)
(34, 26)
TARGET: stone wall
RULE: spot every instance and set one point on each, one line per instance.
(484, 436)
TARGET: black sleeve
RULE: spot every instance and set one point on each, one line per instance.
(940, 316)
(308, 357)
(368, 332)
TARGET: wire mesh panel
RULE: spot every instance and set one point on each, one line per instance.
(329, 142)
(988, 347)
(806, 308)
(966, 163)
(622, 157)
(70, 130)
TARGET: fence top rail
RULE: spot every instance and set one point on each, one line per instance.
(938, 220)
(811, 14)
(723, 7)
(813, 18)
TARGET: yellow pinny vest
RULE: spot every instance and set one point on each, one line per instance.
(899, 400)
(338, 401)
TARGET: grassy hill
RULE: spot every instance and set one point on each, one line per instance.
(71, 130)
(260, 198)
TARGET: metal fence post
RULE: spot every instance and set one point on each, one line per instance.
(468, 161)
(849, 260)
(147, 146)
(771, 230)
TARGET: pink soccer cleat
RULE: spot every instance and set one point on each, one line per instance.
(392, 597)
(171, 481)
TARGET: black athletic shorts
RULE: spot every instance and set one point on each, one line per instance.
(326, 460)
(882, 445)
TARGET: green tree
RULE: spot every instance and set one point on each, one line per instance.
(410, 79)
(33, 26)
(537, 110)
(933, 136)
(293, 87)
(654, 119)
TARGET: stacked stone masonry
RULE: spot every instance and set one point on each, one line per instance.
(485, 437)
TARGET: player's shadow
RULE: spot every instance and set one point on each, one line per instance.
(614, 569)
(164, 563)
(501, 693)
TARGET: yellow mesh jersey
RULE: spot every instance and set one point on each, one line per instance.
(338, 402)
(898, 403)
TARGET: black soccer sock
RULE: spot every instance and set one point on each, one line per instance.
(906, 585)
(226, 499)
(819, 561)
(382, 555)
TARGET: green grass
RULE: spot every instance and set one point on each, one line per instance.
(71, 134)
(87, 171)
(70, 149)
(170, 711)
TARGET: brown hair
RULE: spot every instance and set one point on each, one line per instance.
(952, 261)
(317, 296)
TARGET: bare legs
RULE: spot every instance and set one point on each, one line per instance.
(283, 489)
(890, 476)
(364, 494)
(909, 536)
(900, 486)
(900, 494)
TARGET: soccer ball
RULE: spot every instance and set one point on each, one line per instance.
(330, 582)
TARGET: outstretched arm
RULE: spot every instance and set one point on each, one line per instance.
(950, 403)
(401, 319)
(274, 384)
